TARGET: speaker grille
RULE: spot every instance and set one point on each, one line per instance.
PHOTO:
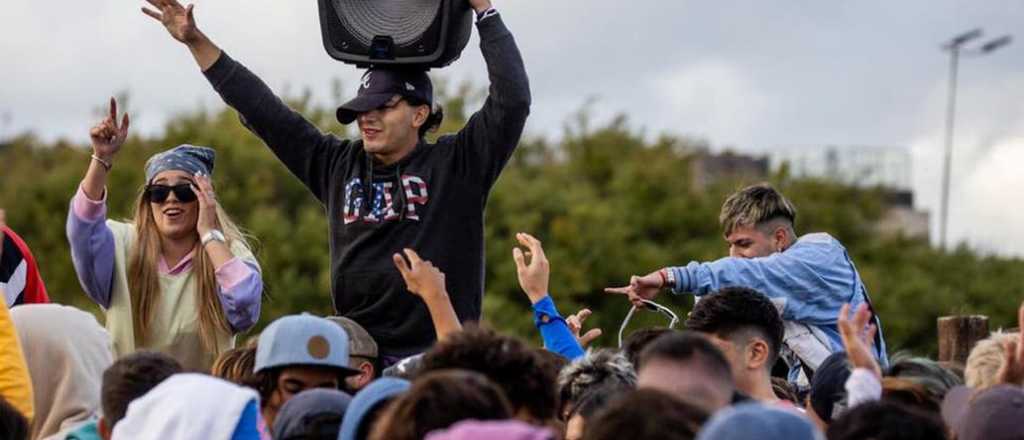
(403, 20)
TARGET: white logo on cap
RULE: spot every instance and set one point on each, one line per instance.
(366, 80)
(409, 87)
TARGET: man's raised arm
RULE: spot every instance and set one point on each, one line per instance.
(307, 152)
(492, 134)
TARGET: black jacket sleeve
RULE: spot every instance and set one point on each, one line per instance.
(492, 133)
(308, 153)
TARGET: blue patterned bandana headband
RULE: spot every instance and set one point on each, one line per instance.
(188, 158)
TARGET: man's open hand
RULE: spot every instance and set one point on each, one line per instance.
(575, 323)
(421, 277)
(533, 274)
(178, 19)
(858, 336)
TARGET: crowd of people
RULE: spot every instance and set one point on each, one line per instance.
(782, 343)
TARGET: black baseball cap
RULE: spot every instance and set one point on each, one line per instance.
(379, 85)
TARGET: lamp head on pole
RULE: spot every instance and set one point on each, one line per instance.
(996, 44)
(963, 38)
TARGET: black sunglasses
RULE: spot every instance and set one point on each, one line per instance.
(159, 193)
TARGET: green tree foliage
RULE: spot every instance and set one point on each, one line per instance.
(606, 202)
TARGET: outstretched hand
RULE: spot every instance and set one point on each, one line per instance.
(1012, 371)
(535, 274)
(178, 19)
(575, 323)
(640, 288)
(107, 136)
(858, 337)
(421, 277)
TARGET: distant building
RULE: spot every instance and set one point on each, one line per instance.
(865, 167)
(708, 168)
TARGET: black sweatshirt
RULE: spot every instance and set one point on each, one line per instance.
(431, 200)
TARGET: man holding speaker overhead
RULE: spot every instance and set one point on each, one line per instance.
(389, 190)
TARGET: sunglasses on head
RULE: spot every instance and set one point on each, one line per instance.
(159, 193)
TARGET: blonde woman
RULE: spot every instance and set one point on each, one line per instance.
(179, 277)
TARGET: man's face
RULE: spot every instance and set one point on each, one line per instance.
(390, 129)
(751, 242)
(294, 380)
(684, 381)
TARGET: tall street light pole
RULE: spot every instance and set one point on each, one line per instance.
(955, 47)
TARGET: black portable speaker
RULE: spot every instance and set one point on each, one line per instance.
(422, 33)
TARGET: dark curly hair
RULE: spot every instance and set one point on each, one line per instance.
(131, 377)
(440, 399)
(884, 420)
(637, 341)
(646, 414)
(516, 367)
(732, 310)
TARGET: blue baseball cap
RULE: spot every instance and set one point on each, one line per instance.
(380, 85)
(305, 340)
(366, 401)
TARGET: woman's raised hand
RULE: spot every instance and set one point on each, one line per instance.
(108, 136)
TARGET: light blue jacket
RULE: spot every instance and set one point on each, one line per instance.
(808, 282)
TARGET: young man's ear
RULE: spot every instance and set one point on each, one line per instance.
(781, 238)
(421, 116)
(757, 353)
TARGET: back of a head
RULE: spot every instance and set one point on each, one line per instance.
(881, 420)
(754, 421)
(646, 415)
(736, 313)
(827, 396)
(492, 430)
(439, 399)
(130, 377)
(189, 406)
(911, 394)
(985, 360)
(931, 375)
(753, 206)
(600, 368)
(993, 414)
(636, 342)
(13, 425)
(66, 351)
(235, 365)
(314, 414)
(509, 362)
(688, 366)
(367, 405)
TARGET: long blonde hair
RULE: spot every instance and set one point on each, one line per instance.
(144, 281)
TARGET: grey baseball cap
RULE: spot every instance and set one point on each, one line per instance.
(302, 340)
(360, 343)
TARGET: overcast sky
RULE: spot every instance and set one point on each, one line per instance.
(750, 75)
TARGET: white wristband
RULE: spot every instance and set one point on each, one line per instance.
(214, 235)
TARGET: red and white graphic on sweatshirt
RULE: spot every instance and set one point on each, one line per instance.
(384, 206)
(19, 274)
